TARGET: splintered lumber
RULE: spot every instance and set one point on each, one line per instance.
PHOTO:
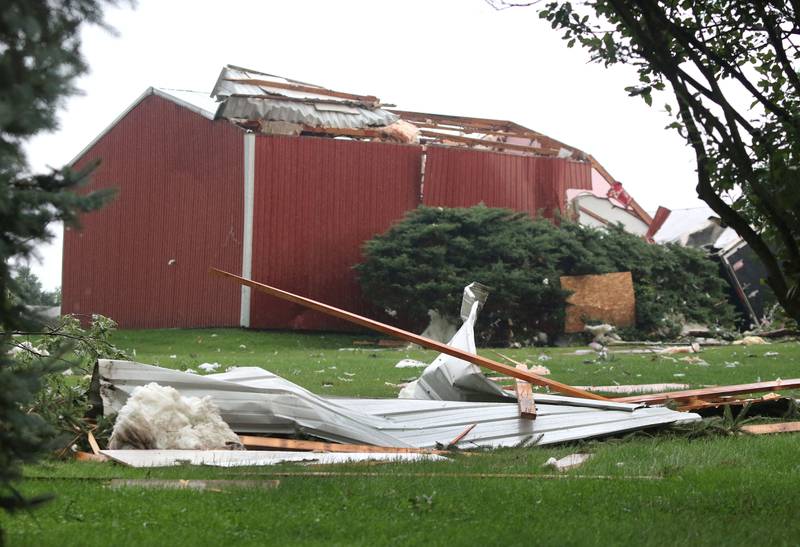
(460, 436)
(488, 143)
(413, 338)
(710, 392)
(93, 442)
(318, 446)
(527, 408)
(763, 429)
(366, 99)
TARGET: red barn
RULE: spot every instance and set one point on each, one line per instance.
(283, 183)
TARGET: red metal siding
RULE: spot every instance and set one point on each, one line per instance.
(180, 197)
(316, 201)
(463, 178)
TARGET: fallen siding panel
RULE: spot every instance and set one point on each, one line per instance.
(316, 202)
(143, 259)
(463, 178)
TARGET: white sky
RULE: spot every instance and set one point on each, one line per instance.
(446, 56)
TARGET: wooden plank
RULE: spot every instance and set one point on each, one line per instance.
(345, 132)
(527, 407)
(318, 446)
(763, 429)
(445, 118)
(411, 337)
(93, 442)
(460, 436)
(367, 99)
(89, 457)
(489, 144)
(709, 392)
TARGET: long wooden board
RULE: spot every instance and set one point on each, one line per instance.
(318, 446)
(703, 393)
(413, 338)
(763, 429)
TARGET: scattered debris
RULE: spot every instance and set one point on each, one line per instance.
(410, 363)
(750, 341)
(692, 348)
(208, 367)
(694, 361)
(771, 354)
(568, 462)
(636, 388)
(216, 485)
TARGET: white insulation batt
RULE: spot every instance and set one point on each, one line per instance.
(253, 400)
(159, 417)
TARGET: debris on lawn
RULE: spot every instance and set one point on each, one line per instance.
(568, 462)
(410, 363)
(750, 341)
(214, 485)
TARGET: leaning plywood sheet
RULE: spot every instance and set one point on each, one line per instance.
(607, 298)
(253, 400)
(239, 458)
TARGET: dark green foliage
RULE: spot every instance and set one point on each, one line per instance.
(425, 261)
(39, 61)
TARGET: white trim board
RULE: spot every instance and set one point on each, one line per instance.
(247, 237)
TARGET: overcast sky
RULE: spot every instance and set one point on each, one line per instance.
(445, 56)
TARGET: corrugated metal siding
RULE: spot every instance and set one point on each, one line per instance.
(463, 178)
(180, 197)
(316, 201)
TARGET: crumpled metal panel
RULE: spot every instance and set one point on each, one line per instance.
(261, 102)
(253, 400)
(313, 114)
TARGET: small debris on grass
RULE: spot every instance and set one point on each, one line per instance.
(173, 356)
(190, 371)
(568, 462)
(349, 373)
(732, 364)
(771, 354)
(694, 361)
(341, 379)
(217, 485)
(540, 370)
(68, 372)
(543, 357)
(242, 346)
(750, 341)
(410, 363)
(679, 375)
(208, 367)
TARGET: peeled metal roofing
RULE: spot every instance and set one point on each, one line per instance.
(262, 102)
(253, 400)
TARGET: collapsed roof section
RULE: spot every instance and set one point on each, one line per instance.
(271, 104)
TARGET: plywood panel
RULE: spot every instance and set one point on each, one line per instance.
(608, 298)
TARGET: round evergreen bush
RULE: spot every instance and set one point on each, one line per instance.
(424, 261)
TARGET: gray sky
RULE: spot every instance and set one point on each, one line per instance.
(445, 56)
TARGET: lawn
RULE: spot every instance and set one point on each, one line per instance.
(647, 489)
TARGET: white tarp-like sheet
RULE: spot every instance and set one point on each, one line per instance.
(238, 458)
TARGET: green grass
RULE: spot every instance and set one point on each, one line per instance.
(709, 491)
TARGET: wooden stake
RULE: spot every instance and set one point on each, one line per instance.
(413, 338)
(527, 407)
(460, 436)
(93, 442)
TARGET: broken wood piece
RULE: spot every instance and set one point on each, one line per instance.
(89, 457)
(460, 436)
(215, 485)
(317, 446)
(527, 407)
(763, 429)
(368, 100)
(411, 337)
(706, 393)
(93, 442)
